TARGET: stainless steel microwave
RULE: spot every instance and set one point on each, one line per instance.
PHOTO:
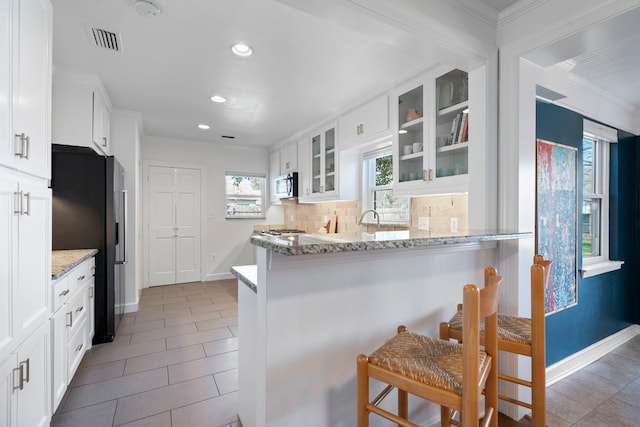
(286, 186)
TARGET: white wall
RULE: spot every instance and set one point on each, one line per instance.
(228, 239)
(125, 146)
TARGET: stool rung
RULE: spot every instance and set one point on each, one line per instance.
(391, 417)
(511, 379)
(516, 401)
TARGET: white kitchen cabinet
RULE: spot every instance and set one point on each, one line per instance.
(430, 116)
(304, 179)
(274, 172)
(81, 112)
(25, 86)
(25, 256)
(72, 325)
(365, 123)
(289, 158)
(24, 383)
(324, 165)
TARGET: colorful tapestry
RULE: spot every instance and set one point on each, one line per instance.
(556, 228)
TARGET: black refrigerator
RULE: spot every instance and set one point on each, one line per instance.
(89, 211)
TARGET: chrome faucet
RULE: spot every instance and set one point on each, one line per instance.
(376, 216)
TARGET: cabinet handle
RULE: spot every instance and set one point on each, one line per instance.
(427, 175)
(78, 348)
(26, 146)
(20, 371)
(63, 293)
(27, 364)
(28, 210)
(79, 309)
(18, 199)
(23, 151)
(81, 277)
(104, 141)
(70, 319)
(91, 292)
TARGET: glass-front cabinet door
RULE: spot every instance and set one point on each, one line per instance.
(431, 115)
(323, 161)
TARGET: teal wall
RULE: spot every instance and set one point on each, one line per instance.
(607, 303)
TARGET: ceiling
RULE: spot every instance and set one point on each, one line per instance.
(304, 69)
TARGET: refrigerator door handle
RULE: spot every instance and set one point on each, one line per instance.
(124, 229)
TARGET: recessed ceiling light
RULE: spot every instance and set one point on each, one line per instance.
(203, 126)
(241, 49)
(218, 98)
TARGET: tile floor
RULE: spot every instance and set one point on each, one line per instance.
(174, 363)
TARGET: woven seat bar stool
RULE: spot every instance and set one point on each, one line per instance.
(450, 374)
(519, 335)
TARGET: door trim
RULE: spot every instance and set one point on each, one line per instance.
(146, 164)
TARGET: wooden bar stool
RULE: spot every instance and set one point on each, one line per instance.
(522, 336)
(450, 374)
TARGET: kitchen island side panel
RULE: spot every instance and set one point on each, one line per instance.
(316, 313)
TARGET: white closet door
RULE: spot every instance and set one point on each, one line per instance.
(174, 225)
(188, 223)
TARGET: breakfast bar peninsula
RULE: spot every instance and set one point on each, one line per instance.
(314, 302)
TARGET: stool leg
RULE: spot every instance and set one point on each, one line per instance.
(403, 404)
(538, 392)
(363, 390)
(445, 416)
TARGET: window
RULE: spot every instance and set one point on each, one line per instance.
(378, 192)
(596, 140)
(245, 194)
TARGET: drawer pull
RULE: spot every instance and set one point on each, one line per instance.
(70, 319)
(79, 309)
(78, 348)
(20, 371)
(81, 277)
(26, 362)
(63, 293)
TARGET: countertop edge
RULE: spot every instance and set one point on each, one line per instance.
(74, 263)
(357, 246)
(247, 274)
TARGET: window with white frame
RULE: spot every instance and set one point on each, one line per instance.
(245, 195)
(378, 194)
(596, 141)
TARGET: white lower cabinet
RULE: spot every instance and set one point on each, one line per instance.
(24, 383)
(72, 325)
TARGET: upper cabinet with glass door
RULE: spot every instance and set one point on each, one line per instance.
(323, 162)
(430, 147)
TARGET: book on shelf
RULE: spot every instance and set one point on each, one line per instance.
(459, 129)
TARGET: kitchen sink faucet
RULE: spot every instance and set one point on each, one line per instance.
(376, 216)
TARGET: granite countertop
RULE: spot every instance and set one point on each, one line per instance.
(303, 244)
(64, 261)
(247, 274)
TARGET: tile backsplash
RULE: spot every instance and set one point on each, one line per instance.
(439, 209)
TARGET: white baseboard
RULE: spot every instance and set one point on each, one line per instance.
(130, 307)
(579, 360)
(218, 276)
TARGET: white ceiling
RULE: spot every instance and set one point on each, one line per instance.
(304, 68)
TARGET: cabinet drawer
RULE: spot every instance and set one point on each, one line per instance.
(76, 348)
(81, 274)
(61, 292)
(78, 307)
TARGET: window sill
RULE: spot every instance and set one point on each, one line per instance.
(600, 268)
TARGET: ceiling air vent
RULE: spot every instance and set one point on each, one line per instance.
(105, 39)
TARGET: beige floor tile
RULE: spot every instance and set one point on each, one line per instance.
(192, 318)
(104, 353)
(92, 374)
(221, 346)
(629, 394)
(227, 381)
(128, 319)
(616, 368)
(219, 411)
(103, 391)
(213, 307)
(153, 402)
(568, 408)
(146, 309)
(234, 330)
(229, 312)
(156, 334)
(205, 325)
(188, 304)
(141, 327)
(201, 367)
(121, 339)
(160, 420)
(586, 395)
(612, 412)
(100, 415)
(196, 294)
(165, 300)
(150, 317)
(164, 358)
(198, 337)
